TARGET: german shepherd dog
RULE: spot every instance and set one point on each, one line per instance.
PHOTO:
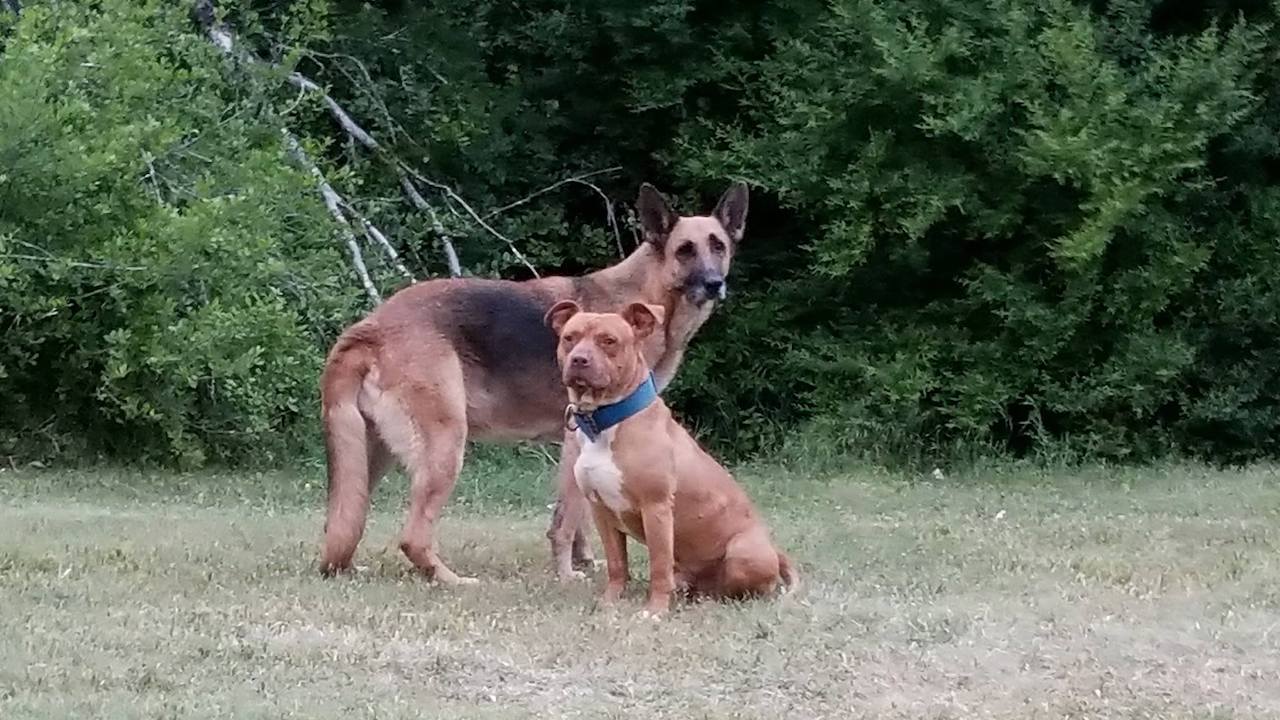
(450, 360)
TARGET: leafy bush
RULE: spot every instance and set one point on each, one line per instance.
(167, 280)
(1016, 212)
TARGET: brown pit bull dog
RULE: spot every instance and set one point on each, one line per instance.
(447, 361)
(646, 477)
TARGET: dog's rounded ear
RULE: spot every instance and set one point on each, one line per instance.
(731, 211)
(560, 313)
(656, 216)
(644, 318)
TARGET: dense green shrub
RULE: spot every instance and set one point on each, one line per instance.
(1019, 209)
(167, 282)
(1025, 225)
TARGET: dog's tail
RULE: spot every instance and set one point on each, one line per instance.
(347, 450)
(790, 577)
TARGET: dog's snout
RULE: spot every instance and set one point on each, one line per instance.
(579, 361)
(713, 285)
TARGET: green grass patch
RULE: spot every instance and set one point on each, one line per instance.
(1000, 593)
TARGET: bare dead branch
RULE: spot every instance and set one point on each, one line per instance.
(559, 183)
(609, 217)
(50, 259)
(204, 12)
(149, 160)
(334, 202)
(364, 82)
(407, 175)
(358, 134)
(72, 263)
(446, 244)
(349, 125)
(372, 232)
(455, 197)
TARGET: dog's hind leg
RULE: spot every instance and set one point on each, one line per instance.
(583, 557)
(751, 566)
(425, 426)
(380, 457)
(568, 541)
(433, 473)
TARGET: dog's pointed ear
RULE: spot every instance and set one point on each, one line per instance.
(644, 318)
(559, 314)
(731, 211)
(656, 216)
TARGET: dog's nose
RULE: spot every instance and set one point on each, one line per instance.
(578, 361)
(713, 286)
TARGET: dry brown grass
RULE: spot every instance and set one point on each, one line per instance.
(1109, 594)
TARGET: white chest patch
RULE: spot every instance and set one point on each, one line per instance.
(598, 476)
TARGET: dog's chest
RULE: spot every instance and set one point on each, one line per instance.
(597, 474)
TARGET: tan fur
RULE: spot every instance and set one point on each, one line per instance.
(647, 478)
(447, 361)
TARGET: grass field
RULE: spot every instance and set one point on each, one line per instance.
(1020, 594)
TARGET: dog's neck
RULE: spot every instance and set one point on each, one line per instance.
(641, 276)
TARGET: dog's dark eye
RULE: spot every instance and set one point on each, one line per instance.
(686, 250)
(569, 339)
(608, 341)
(717, 245)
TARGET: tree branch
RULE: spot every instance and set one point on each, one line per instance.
(610, 218)
(474, 215)
(349, 125)
(415, 197)
(531, 196)
(334, 202)
(372, 232)
(403, 172)
(358, 134)
(205, 14)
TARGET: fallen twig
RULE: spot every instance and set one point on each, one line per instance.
(610, 218)
(404, 173)
(51, 260)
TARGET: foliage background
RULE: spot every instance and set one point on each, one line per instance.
(1009, 227)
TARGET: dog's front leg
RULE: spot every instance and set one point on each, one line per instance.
(659, 535)
(615, 554)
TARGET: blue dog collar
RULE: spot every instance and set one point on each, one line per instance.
(593, 423)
